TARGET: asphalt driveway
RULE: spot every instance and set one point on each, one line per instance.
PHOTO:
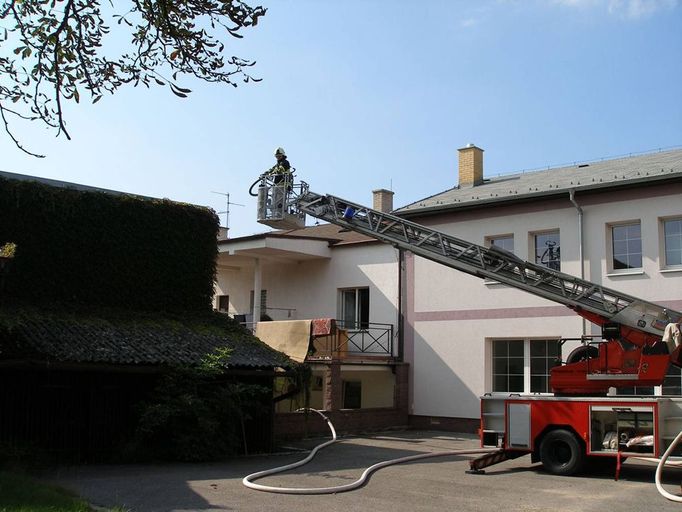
(434, 484)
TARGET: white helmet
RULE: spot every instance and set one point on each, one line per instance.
(280, 151)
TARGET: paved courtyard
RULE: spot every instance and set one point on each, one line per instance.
(434, 484)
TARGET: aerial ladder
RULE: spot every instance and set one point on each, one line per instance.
(579, 420)
(632, 353)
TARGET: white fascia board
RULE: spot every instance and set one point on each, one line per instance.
(314, 248)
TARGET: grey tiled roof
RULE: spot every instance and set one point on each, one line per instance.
(155, 341)
(537, 184)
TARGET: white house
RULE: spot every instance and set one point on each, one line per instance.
(615, 222)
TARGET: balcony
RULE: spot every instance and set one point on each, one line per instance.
(346, 341)
(355, 341)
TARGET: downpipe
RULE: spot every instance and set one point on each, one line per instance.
(248, 481)
(581, 241)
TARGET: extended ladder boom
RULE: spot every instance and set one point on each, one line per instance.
(587, 369)
(492, 263)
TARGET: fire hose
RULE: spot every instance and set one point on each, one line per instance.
(659, 471)
(248, 480)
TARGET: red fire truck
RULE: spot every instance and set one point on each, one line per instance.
(579, 421)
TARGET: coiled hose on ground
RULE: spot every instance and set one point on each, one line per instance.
(248, 480)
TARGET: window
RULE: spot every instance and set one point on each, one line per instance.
(636, 390)
(672, 384)
(223, 303)
(263, 301)
(503, 242)
(523, 366)
(508, 365)
(352, 394)
(548, 250)
(672, 236)
(354, 308)
(627, 246)
(544, 355)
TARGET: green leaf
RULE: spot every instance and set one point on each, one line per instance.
(180, 89)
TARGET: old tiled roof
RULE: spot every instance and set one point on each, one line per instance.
(70, 338)
(648, 168)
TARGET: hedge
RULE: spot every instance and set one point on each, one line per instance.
(106, 249)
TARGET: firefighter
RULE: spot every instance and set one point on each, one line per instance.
(282, 169)
(282, 177)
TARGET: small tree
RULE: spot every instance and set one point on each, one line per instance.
(52, 51)
(198, 414)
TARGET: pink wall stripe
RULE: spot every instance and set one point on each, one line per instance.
(490, 314)
(501, 313)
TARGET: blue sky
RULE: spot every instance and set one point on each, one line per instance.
(381, 94)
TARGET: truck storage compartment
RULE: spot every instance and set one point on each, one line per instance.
(622, 428)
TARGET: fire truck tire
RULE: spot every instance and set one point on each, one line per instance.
(582, 354)
(561, 452)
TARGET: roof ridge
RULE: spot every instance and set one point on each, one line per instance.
(624, 156)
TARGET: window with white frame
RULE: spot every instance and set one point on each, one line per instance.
(354, 307)
(672, 384)
(223, 303)
(637, 391)
(548, 250)
(505, 242)
(626, 245)
(523, 365)
(263, 301)
(672, 240)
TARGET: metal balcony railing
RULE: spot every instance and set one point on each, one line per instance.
(365, 338)
(351, 339)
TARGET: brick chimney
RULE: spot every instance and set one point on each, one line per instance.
(383, 200)
(470, 166)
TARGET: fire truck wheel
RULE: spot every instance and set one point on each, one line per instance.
(582, 353)
(561, 453)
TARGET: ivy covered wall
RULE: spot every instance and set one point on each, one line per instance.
(106, 249)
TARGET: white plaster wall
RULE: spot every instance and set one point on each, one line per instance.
(377, 386)
(451, 368)
(652, 284)
(238, 285)
(439, 288)
(451, 358)
(310, 287)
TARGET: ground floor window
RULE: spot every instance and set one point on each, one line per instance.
(352, 394)
(223, 303)
(523, 365)
(672, 385)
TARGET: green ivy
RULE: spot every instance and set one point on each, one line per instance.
(106, 249)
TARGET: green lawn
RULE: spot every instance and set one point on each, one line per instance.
(19, 493)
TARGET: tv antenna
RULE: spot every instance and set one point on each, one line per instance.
(227, 210)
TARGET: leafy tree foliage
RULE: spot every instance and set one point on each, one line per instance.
(52, 51)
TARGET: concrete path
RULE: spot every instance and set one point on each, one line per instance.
(435, 484)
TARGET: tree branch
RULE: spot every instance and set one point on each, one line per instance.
(11, 135)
